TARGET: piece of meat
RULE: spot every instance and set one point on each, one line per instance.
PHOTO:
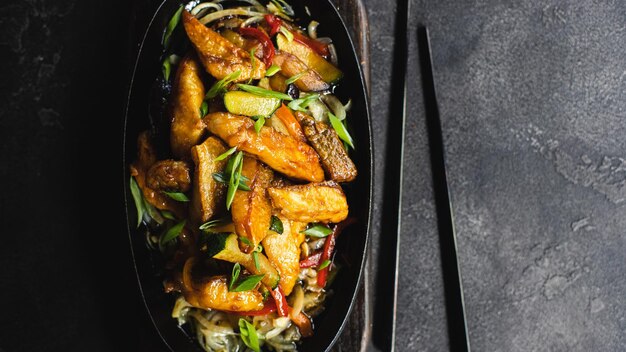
(169, 175)
(219, 56)
(251, 210)
(187, 127)
(146, 157)
(291, 66)
(207, 194)
(334, 157)
(282, 153)
(283, 251)
(315, 202)
(212, 293)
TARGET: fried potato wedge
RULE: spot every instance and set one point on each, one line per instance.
(315, 202)
(283, 251)
(218, 55)
(146, 157)
(207, 193)
(212, 293)
(282, 153)
(252, 210)
(187, 127)
(334, 157)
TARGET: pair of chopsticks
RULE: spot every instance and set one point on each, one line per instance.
(455, 307)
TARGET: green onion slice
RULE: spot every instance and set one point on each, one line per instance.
(173, 232)
(171, 26)
(248, 283)
(276, 225)
(177, 196)
(294, 78)
(262, 92)
(317, 231)
(138, 198)
(234, 276)
(249, 335)
(220, 86)
(272, 70)
(341, 130)
(226, 154)
(324, 264)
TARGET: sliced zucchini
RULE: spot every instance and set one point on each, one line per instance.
(248, 104)
(326, 70)
(224, 246)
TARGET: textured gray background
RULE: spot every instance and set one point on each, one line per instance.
(532, 101)
(533, 106)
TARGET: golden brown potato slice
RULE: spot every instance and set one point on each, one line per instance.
(334, 157)
(208, 194)
(280, 152)
(146, 157)
(187, 126)
(315, 202)
(291, 66)
(252, 210)
(218, 55)
(283, 251)
(212, 293)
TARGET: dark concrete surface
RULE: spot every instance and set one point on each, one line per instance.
(532, 98)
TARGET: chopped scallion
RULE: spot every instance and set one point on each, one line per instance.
(341, 130)
(262, 92)
(294, 78)
(317, 231)
(177, 196)
(171, 26)
(272, 70)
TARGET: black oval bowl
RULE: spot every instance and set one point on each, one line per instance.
(351, 245)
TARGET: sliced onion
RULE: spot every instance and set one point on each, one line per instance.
(251, 20)
(206, 5)
(257, 5)
(318, 110)
(335, 106)
(298, 301)
(229, 12)
(312, 29)
(334, 58)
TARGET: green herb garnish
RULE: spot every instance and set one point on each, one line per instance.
(294, 78)
(284, 6)
(276, 225)
(234, 276)
(255, 256)
(317, 231)
(324, 264)
(262, 92)
(249, 335)
(226, 154)
(246, 241)
(138, 198)
(211, 224)
(166, 68)
(248, 283)
(168, 214)
(177, 196)
(171, 26)
(341, 130)
(235, 178)
(254, 64)
(260, 122)
(220, 86)
(222, 178)
(272, 70)
(302, 103)
(173, 232)
(204, 109)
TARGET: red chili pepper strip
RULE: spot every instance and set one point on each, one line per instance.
(304, 324)
(266, 42)
(268, 308)
(316, 45)
(312, 260)
(281, 301)
(329, 247)
(274, 22)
